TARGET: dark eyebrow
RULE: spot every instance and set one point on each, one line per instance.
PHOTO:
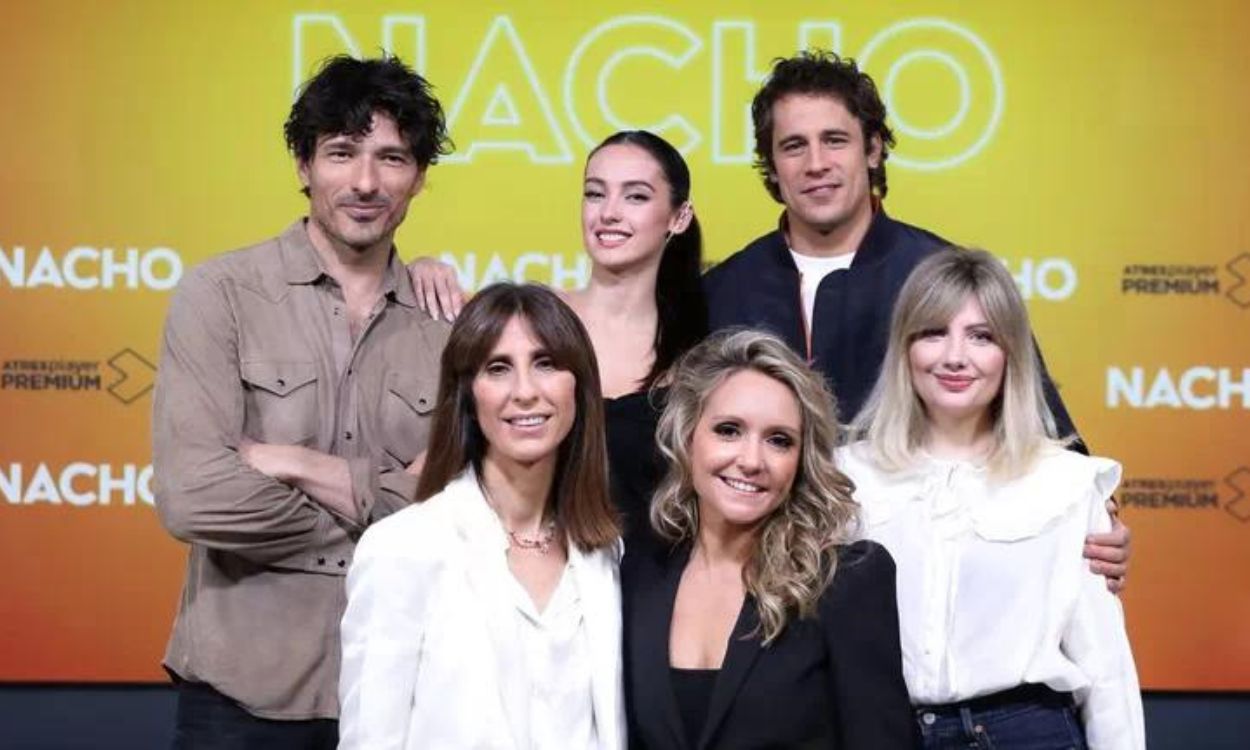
(598, 181)
(836, 131)
(339, 139)
(638, 184)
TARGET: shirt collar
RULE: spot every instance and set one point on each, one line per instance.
(867, 246)
(302, 264)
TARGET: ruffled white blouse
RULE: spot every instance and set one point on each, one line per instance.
(993, 590)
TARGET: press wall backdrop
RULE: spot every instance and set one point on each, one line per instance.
(1098, 148)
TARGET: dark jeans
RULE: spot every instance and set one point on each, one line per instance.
(1030, 717)
(208, 720)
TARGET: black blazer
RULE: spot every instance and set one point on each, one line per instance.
(833, 681)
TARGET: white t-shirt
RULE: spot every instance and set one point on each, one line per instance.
(812, 270)
(993, 591)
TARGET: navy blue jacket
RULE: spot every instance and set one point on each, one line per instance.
(758, 287)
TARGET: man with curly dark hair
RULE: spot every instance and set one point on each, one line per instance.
(296, 381)
(826, 278)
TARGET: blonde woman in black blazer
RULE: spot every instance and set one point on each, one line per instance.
(751, 627)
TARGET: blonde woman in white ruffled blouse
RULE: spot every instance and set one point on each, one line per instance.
(1008, 639)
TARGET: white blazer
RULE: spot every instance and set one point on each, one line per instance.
(430, 658)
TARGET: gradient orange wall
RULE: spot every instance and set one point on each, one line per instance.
(1075, 140)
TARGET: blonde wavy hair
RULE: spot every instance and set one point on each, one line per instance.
(894, 421)
(794, 553)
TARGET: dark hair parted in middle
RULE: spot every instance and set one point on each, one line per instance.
(820, 73)
(342, 97)
(579, 495)
(679, 300)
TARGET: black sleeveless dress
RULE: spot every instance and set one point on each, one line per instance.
(635, 467)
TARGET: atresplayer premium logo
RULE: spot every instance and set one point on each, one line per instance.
(1189, 280)
(1239, 292)
(1230, 493)
(133, 375)
(1239, 484)
(136, 376)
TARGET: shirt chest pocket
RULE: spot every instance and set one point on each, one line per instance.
(280, 402)
(407, 402)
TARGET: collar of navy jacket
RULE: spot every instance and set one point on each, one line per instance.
(759, 287)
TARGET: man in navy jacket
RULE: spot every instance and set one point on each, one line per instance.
(826, 279)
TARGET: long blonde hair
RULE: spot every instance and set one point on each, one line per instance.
(793, 557)
(894, 421)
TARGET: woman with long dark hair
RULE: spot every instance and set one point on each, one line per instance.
(488, 613)
(643, 305)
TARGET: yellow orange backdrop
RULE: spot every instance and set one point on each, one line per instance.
(1098, 148)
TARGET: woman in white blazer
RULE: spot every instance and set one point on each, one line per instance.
(487, 615)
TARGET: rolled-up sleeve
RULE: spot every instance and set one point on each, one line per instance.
(379, 492)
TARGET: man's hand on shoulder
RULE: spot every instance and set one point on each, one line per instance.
(1109, 553)
(437, 288)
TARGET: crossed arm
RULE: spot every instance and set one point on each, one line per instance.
(281, 505)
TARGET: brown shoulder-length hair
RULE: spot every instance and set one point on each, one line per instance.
(583, 509)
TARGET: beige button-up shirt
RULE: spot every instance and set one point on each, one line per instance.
(257, 344)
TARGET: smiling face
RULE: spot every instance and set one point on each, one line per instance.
(745, 450)
(525, 404)
(820, 164)
(360, 187)
(627, 211)
(957, 370)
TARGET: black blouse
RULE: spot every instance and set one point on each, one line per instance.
(693, 690)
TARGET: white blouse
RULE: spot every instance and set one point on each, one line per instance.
(993, 588)
(555, 659)
(443, 647)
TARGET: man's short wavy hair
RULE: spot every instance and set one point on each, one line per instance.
(342, 97)
(817, 72)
